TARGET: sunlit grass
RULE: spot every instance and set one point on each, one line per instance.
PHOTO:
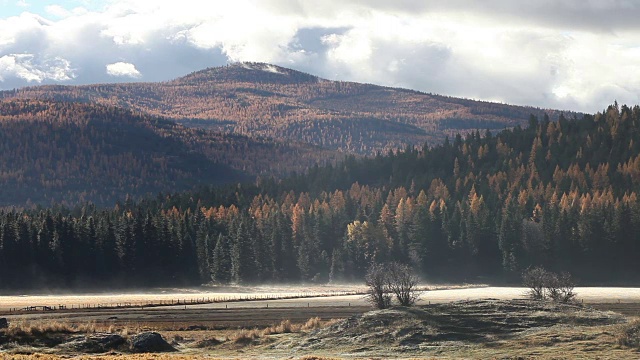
(43, 327)
(629, 334)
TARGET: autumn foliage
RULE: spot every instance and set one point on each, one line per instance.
(257, 99)
(69, 153)
(562, 195)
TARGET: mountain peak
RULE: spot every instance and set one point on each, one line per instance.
(254, 72)
(262, 67)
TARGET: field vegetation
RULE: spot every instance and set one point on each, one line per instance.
(463, 329)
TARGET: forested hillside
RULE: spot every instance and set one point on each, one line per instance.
(68, 153)
(257, 99)
(563, 195)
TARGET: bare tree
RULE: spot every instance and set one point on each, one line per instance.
(378, 292)
(403, 283)
(535, 279)
(544, 284)
(560, 288)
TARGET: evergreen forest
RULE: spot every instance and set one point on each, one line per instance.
(482, 207)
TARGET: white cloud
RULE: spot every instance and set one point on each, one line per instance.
(123, 69)
(27, 67)
(57, 11)
(570, 54)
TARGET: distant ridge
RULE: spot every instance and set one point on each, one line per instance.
(260, 99)
(246, 72)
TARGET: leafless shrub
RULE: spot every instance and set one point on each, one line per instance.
(560, 288)
(535, 279)
(387, 281)
(378, 287)
(403, 283)
(545, 284)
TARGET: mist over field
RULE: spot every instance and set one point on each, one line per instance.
(292, 296)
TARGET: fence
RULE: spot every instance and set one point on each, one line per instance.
(179, 302)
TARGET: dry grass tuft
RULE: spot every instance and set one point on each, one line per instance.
(244, 336)
(208, 343)
(105, 357)
(45, 328)
(285, 326)
(317, 323)
(130, 328)
(311, 324)
(40, 328)
(629, 334)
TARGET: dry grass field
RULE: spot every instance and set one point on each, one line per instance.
(292, 296)
(167, 296)
(442, 326)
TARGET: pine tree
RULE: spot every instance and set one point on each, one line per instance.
(509, 237)
(221, 261)
(242, 255)
(337, 270)
(202, 252)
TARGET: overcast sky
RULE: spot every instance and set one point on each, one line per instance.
(569, 54)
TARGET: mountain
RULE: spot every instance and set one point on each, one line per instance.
(65, 153)
(258, 99)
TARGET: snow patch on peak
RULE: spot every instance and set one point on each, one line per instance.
(245, 65)
(272, 69)
(261, 67)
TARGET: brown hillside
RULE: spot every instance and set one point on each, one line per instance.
(271, 101)
(56, 152)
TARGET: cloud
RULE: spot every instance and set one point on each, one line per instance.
(29, 68)
(123, 69)
(573, 54)
(57, 11)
